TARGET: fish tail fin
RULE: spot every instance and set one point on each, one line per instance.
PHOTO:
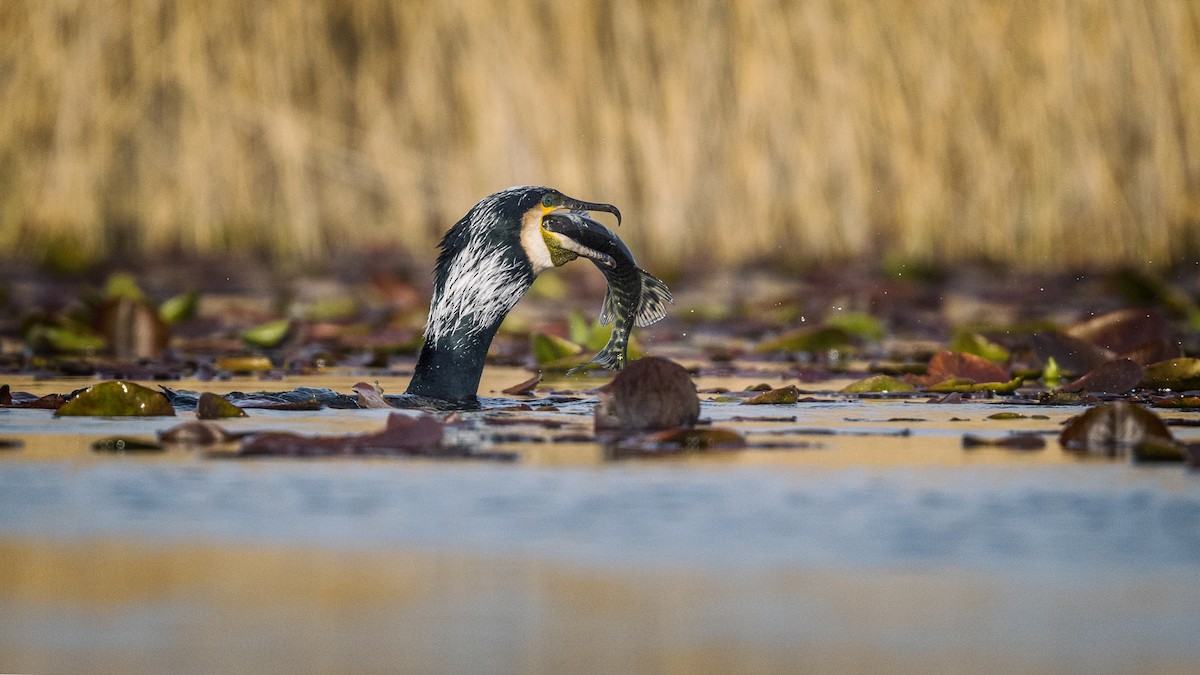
(653, 305)
(614, 356)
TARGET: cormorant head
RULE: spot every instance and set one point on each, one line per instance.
(490, 257)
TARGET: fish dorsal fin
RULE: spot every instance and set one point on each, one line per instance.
(653, 306)
(608, 309)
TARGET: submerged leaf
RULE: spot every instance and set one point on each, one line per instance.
(877, 384)
(1109, 427)
(117, 398)
(211, 407)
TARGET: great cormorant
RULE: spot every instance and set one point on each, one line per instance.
(487, 262)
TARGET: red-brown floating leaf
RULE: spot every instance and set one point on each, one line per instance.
(404, 435)
(1153, 352)
(650, 393)
(1111, 427)
(1175, 402)
(117, 398)
(370, 396)
(1113, 377)
(782, 396)
(47, 402)
(954, 365)
(1023, 441)
(213, 407)
(524, 388)
(197, 433)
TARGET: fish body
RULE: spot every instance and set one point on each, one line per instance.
(634, 298)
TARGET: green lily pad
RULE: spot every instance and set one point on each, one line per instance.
(1175, 374)
(1052, 375)
(123, 285)
(877, 384)
(964, 386)
(64, 339)
(117, 398)
(212, 407)
(267, 335)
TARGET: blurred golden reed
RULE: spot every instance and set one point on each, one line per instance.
(1037, 132)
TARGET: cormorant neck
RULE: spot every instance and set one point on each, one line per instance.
(478, 282)
(449, 369)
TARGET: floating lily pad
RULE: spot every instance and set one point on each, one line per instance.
(1176, 374)
(782, 395)
(878, 384)
(857, 324)
(966, 386)
(245, 364)
(212, 407)
(1110, 428)
(947, 365)
(1113, 377)
(117, 398)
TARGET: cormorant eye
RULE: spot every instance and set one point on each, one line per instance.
(551, 200)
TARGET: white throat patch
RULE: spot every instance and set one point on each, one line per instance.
(533, 244)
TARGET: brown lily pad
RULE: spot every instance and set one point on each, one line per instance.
(1113, 377)
(1112, 428)
(117, 398)
(956, 365)
(1121, 331)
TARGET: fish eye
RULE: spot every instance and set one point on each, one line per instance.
(551, 200)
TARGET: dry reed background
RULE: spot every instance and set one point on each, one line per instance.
(1040, 132)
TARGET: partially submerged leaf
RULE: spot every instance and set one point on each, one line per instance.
(1122, 330)
(117, 398)
(1111, 427)
(211, 407)
(524, 388)
(650, 393)
(782, 395)
(1154, 450)
(403, 435)
(179, 308)
(1184, 402)
(877, 384)
(370, 396)
(1176, 374)
(1112, 377)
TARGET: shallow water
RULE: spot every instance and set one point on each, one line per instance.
(859, 550)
